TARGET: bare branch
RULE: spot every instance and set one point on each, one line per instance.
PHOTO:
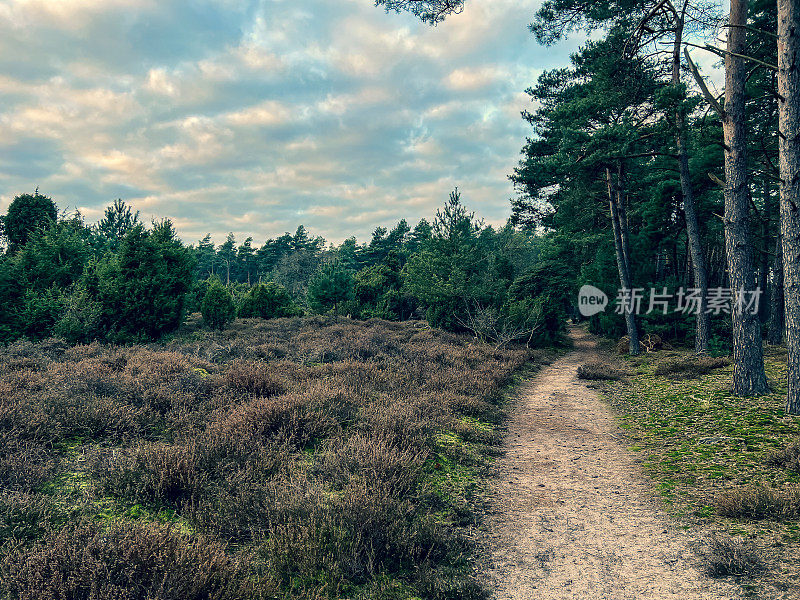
(754, 29)
(723, 53)
(703, 87)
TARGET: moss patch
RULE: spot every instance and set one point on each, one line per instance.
(699, 444)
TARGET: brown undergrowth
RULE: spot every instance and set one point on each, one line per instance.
(289, 458)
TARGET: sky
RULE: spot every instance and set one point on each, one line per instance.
(253, 117)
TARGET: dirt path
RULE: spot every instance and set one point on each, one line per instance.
(571, 515)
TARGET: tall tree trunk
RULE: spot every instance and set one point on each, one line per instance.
(622, 262)
(699, 271)
(777, 324)
(789, 146)
(764, 268)
(624, 227)
(748, 354)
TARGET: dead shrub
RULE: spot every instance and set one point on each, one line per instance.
(759, 503)
(597, 371)
(691, 367)
(787, 458)
(650, 342)
(729, 557)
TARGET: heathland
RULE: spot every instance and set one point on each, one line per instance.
(297, 457)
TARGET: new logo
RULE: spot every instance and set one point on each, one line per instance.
(591, 300)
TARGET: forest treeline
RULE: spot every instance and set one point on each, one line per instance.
(649, 179)
(635, 177)
(123, 281)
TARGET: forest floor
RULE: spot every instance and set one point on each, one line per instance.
(571, 514)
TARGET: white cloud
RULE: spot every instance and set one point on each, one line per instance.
(160, 82)
(266, 113)
(305, 111)
(473, 78)
(71, 15)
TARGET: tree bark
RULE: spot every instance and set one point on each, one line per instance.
(776, 325)
(765, 307)
(789, 148)
(624, 226)
(622, 262)
(699, 271)
(748, 355)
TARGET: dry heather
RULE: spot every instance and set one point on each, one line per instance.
(286, 458)
(599, 371)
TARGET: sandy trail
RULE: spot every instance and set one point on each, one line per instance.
(571, 516)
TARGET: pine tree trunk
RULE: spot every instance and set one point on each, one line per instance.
(622, 264)
(624, 227)
(776, 324)
(789, 146)
(699, 271)
(764, 268)
(770, 236)
(748, 355)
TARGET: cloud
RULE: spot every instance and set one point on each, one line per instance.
(471, 78)
(266, 113)
(254, 116)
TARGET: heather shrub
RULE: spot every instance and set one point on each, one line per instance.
(130, 562)
(150, 473)
(728, 557)
(23, 466)
(255, 378)
(350, 537)
(309, 442)
(371, 457)
(695, 367)
(787, 458)
(25, 517)
(597, 371)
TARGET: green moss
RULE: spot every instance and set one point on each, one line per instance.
(699, 440)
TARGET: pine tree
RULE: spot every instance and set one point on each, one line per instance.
(217, 306)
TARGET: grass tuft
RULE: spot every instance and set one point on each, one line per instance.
(731, 557)
(786, 458)
(759, 503)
